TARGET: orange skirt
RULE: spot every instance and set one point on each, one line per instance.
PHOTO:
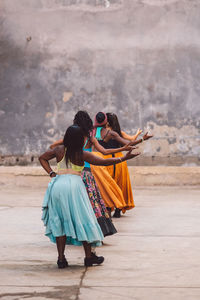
(114, 183)
(121, 176)
(110, 191)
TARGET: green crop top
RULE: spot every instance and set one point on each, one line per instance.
(61, 166)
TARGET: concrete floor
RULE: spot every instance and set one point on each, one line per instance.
(155, 255)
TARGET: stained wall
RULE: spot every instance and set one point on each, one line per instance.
(137, 58)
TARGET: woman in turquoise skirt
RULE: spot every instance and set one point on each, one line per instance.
(67, 211)
(83, 120)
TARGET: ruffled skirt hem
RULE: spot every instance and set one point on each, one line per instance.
(107, 226)
(67, 211)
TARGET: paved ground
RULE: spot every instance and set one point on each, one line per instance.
(155, 255)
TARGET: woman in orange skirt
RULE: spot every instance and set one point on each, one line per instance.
(108, 177)
(121, 173)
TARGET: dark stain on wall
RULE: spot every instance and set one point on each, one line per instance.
(93, 62)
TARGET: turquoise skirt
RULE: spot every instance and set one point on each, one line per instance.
(67, 211)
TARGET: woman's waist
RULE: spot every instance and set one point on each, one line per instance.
(68, 171)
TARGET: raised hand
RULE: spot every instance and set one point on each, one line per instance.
(146, 136)
(139, 131)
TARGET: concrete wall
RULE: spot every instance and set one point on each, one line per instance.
(137, 58)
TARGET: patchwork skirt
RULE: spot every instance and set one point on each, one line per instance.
(97, 203)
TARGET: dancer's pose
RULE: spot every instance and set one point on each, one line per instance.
(83, 120)
(120, 172)
(67, 212)
(113, 124)
(104, 176)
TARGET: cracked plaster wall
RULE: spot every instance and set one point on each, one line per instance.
(137, 58)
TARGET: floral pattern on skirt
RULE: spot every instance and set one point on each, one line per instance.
(96, 200)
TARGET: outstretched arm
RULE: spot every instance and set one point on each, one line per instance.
(56, 143)
(107, 151)
(118, 138)
(98, 161)
(131, 137)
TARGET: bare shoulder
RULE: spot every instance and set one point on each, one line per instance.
(59, 151)
(113, 133)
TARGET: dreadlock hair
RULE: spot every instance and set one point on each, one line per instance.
(73, 142)
(114, 123)
(83, 120)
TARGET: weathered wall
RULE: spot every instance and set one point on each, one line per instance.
(138, 58)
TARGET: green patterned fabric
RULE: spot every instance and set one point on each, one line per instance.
(98, 133)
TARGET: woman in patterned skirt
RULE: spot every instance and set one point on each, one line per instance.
(83, 120)
(67, 212)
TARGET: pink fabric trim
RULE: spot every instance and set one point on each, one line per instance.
(96, 124)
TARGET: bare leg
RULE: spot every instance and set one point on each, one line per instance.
(87, 248)
(60, 242)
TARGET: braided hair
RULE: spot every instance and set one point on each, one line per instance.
(83, 120)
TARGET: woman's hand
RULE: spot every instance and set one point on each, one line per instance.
(128, 147)
(139, 131)
(130, 155)
(146, 136)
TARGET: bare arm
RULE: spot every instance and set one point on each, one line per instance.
(44, 160)
(98, 161)
(106, 151)
(123, 141)
(56, 143)
(131, 137)
(116, 136)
